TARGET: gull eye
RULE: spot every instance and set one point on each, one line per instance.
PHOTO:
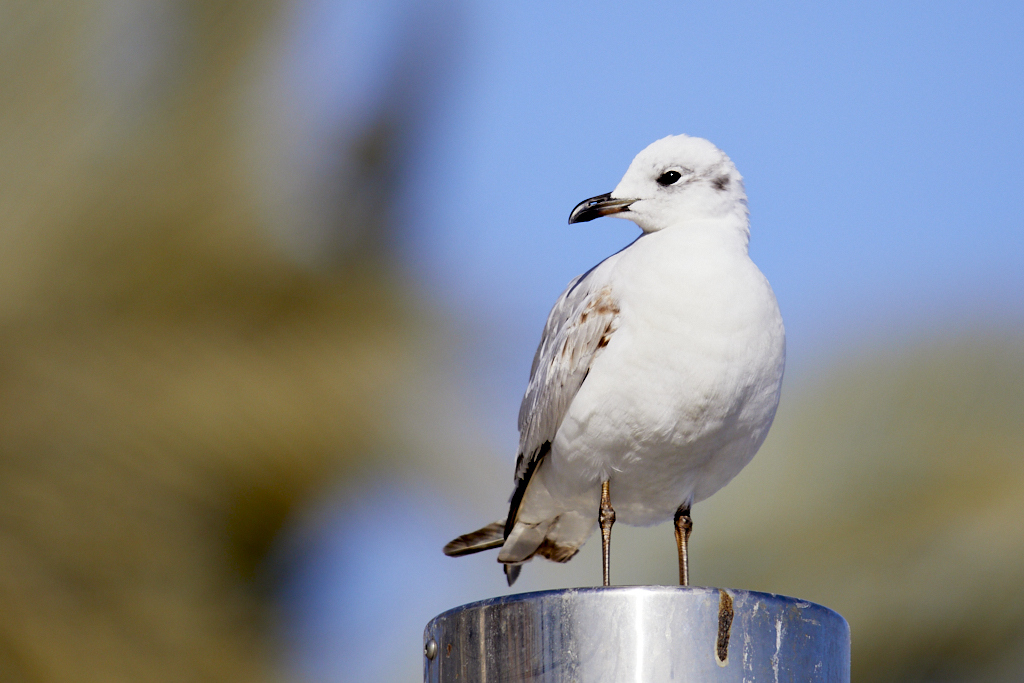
(668, 177)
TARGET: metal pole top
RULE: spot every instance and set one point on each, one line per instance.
(648, 634)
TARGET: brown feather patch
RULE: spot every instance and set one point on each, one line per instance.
(603, 304)
(558, 552)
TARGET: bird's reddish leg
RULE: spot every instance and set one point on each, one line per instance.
(607, 518)
(684, 525)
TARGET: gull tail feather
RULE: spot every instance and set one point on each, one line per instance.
(520, 541)
(490, 536)
(557, 537)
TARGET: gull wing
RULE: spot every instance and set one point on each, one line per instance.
(580, 325)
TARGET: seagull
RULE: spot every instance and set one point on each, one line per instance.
(658, 373)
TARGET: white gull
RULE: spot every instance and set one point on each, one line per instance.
(659, 370)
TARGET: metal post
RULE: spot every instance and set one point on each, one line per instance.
(649, 634)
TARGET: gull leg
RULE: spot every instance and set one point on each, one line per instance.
(607, 518)
(684, 525)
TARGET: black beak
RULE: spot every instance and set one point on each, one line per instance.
(595, 207)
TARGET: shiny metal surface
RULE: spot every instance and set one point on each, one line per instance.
(650, 634)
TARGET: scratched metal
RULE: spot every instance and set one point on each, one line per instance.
(649, 634)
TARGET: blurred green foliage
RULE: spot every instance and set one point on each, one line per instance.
(172, 385)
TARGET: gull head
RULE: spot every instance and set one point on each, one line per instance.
(674, 181)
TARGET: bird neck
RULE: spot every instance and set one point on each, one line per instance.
(727, 231)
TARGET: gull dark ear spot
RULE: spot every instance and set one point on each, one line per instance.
(721, 182)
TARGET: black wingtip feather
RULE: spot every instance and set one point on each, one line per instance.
(512, 572)
(521, 484)
(490, 536)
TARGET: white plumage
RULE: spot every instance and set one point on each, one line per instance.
(659, 370)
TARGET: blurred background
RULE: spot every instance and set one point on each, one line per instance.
(272, 274)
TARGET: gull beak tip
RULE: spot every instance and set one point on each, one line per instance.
(595, 207)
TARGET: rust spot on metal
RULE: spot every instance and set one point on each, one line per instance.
(448, 650)
(725, 615)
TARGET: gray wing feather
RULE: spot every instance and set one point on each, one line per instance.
(580, 324)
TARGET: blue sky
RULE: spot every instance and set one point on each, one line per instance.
(881, 145)
(880, 142)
